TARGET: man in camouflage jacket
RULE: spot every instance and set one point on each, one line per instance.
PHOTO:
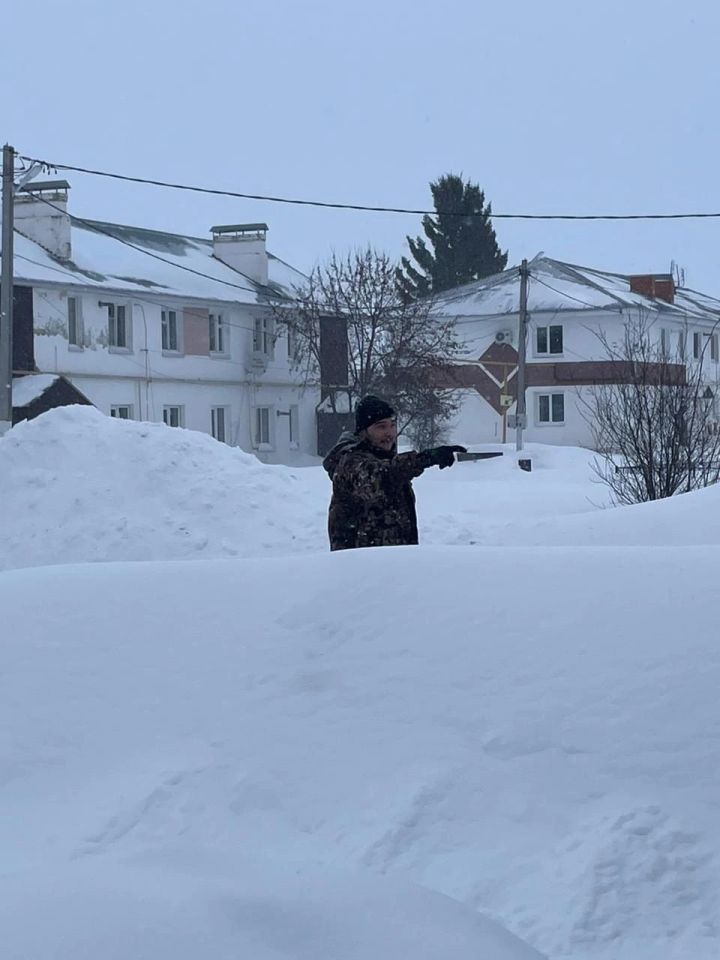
(373, 503)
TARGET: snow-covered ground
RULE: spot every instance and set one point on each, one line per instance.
(374, 754)
(78, 486)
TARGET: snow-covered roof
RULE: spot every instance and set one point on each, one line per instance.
(556, 286)
(100, 260)
(29, 388)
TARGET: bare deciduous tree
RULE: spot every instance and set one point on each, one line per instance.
(654, 424)
(395, 349)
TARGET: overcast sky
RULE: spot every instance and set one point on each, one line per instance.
(554, 106)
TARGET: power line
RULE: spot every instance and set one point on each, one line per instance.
(536, 279)
(48, 165)
(134, 297)
(92, 225)
(240, 196)
(131, 294)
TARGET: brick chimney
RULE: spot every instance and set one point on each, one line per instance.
(36, 219)
(242, 247)
(658, 286)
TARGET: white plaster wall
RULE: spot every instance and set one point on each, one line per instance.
(477, 421)
(246, 254)
(147, 379)
(47, 226)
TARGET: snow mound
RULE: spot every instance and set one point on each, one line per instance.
(265, 914)
(686, 519)
(76, 485)
(533, 733)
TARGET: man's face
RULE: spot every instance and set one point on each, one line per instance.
(383, 434)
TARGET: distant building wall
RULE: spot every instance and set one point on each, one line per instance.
(490, 371)
(147, 380)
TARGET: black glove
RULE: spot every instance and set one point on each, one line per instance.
(445, 456)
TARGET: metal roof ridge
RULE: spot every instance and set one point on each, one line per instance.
(575, 276)
(86, 222)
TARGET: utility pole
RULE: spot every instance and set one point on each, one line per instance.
(6, 289)
(520, 409)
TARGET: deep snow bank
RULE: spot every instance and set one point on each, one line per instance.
(219, 910)
(534, 733)
(77, 486)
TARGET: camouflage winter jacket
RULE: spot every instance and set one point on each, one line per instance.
(373, 504)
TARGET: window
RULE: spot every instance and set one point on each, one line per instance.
(551, 408)
(122, 412)
(294, 428)
(681, 344)
(263, 336)
(664, 342)
(701, 349)
(173, 416)
(75, 333)
(262, 426)
(549, 339)
(219, 421)
(292, 342)
(118, 332)
(170, 338)
(217, 333)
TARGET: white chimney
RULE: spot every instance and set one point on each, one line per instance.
(41, 214)
(242, 247)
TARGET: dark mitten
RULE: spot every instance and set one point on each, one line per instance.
(445, 456)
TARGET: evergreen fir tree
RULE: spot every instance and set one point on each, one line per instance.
(462, 248)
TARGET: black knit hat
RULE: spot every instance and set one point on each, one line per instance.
(371, 410)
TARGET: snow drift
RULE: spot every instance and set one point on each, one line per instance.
(533, 733)
(297, 754)
(194, 911)
(76, 486)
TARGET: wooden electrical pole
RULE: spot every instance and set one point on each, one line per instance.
(6, 289)
(521, 410)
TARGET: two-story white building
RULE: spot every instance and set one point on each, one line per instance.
(570, 310)
(158, 326)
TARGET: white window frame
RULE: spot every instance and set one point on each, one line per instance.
(548, 352)
(220, 423)
(76, 319)
(113, 308)
(264, 336)
(165, 330)
(550, 422)
(115, 409)
(294, 427)
(168, 415)
(263, 439)
(219, 333)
